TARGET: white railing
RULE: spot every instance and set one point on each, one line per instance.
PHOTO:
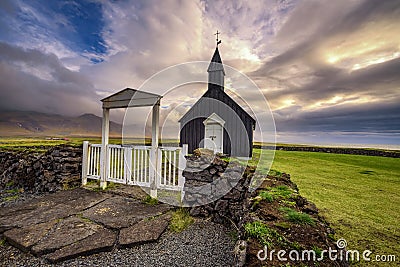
(136, 165)
(140, 166)
(93, 161)
(116, 159)
(171, 162)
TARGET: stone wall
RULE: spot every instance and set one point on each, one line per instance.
(207, 178)
(55, 169)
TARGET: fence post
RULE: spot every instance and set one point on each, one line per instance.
(104, 162)
(85, 160)
(104, 166)
(153, 172)
(159, 167)
(182, 166)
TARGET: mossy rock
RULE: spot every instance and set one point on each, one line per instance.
(203, 152)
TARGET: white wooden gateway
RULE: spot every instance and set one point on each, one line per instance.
(153, 167)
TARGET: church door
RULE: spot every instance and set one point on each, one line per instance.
(213, 137)
(214, 133)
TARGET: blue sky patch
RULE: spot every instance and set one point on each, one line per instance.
(77, 25)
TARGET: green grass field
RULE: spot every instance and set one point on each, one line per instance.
(41, 144)
(359, 195)
(20, 143)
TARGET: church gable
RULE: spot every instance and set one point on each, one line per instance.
(226, 99)
(209, 103)
(214, 118)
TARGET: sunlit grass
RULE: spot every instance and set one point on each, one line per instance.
(359, 195)
(264, 234)
(297, 217)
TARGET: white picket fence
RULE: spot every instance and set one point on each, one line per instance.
(136, 165)
(171, 162)
(92, 161)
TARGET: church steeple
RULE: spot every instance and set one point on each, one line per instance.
(216, 70)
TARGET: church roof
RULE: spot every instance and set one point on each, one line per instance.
(222, 99)
(216, 57)
(216, 62)
(130, 98)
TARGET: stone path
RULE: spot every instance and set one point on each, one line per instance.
(79, 222)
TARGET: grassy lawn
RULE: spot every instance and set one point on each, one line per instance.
(359, 195)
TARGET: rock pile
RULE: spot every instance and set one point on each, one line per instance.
(215, 187)
(57, 168)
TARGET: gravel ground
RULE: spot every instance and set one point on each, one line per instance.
(203, 244)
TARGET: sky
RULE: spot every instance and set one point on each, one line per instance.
(330, 70)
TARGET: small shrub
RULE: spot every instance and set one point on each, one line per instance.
(150, 200)
(297, 217)
(282, 191)
(180, 220)
(289, 203)
(2, 242)
(265, 195)
(265, 235)
(275, 173)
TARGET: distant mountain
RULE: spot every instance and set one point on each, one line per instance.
(25, 123)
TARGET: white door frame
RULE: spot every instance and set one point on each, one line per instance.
(214, 119)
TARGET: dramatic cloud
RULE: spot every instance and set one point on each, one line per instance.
(342, 71)
(32, 80)
(327, 68)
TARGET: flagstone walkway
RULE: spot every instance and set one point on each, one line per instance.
(77, 222)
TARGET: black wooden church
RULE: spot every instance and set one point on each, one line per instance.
(216, 121)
